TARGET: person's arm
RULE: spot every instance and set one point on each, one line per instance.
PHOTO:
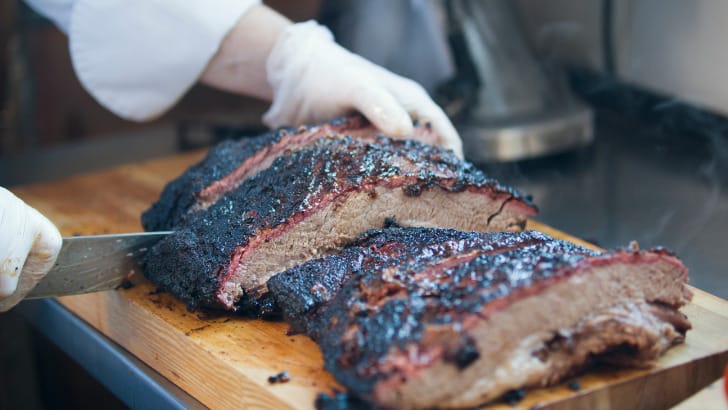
(139, 57)
(239, 64)
(29, 245)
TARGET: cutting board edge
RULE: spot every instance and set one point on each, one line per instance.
(707, 370)
(83, 307)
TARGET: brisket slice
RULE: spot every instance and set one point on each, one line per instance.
(425, 318)
(230, 163)
(311, 202)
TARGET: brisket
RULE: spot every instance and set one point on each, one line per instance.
(310, 202)
(424, 318)
(230, 163)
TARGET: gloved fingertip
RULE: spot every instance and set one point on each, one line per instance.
(449, 137)
(392, 123)
(453, 142)
(384, 111)
(399, 127)
(457, 149)
(9, 274)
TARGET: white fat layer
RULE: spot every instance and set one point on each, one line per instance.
(519, 367)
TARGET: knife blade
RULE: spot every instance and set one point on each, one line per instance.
(94, 263)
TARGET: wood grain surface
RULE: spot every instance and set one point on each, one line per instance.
(224, 361)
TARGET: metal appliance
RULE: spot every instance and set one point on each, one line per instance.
(506, 104)
(473, 57)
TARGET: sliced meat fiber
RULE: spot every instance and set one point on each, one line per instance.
(381, 251)
(428, 318)
(310, 203)
(230, 163)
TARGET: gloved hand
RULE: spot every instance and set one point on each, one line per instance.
(29, 245)
(315, 79)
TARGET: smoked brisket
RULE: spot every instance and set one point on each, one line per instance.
(230, 163)
(426, 318)
(309, 202)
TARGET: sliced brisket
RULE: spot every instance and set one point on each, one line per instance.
(230, 163)
(312, 201)
(424, 318)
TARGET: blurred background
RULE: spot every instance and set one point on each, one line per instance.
(611, 113)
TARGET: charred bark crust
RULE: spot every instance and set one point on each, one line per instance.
(398, 292)
(181, 195)
(191, 262)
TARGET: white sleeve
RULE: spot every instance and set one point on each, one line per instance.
(138, 57)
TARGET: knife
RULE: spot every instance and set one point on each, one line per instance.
(94, 263)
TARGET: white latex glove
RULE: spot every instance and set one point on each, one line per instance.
(29, 245)
(315, 79)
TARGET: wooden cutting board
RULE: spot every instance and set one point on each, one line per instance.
(225, 361)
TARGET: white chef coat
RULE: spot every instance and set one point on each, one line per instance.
(139, 57)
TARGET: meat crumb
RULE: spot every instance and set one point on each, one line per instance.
(126, 284)
(390, 222)
(291, 332)
(281, 377)
(514, 397)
